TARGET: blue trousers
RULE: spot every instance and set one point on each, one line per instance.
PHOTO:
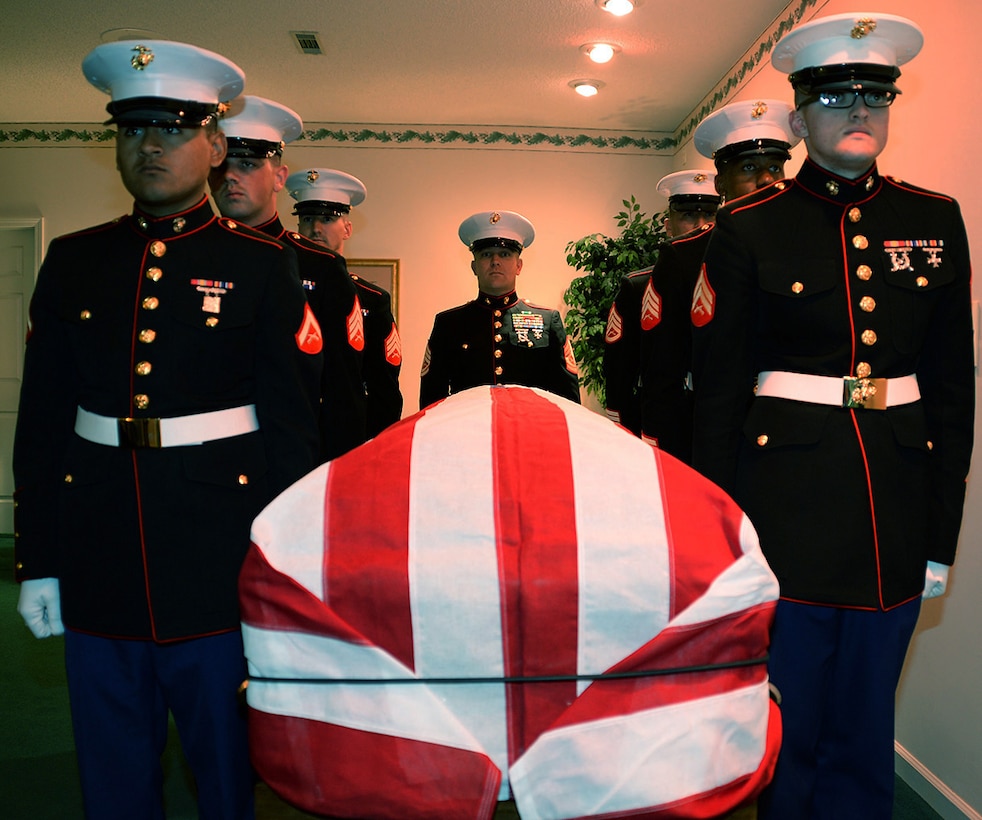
(837, 671)
(120, 694)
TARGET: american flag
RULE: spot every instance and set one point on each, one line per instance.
(506, 596)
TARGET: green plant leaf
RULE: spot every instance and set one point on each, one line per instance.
(605, 260)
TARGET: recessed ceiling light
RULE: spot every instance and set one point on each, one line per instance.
(600, 52)
(586, 88)
(618, 7)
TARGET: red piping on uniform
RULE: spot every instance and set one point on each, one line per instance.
(872, 507)
(143, 542)
(136, 321)
(845, 277)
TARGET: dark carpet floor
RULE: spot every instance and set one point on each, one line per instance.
(38, 775)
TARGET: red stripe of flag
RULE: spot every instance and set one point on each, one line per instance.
(536, 540)
(371, 521)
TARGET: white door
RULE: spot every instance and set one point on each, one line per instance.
(20, 257)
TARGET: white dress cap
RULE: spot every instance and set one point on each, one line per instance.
(324, 190)
(871, 38)
(692, 185)
(751, 127)
(505, 229)
(176, 81)
(259, 127)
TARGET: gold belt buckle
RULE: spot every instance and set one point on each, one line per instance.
(864, 394)
(139, 433)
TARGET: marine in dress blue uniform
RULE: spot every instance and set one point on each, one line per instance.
(498, 338)
(169, 392)
(843, 298)
(639, 309)
(649, 336)
(324, 198)
(245, 188)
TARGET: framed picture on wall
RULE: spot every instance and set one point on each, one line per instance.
(381, 272)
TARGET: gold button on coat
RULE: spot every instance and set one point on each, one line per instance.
(869, 338)
(142, 401)
(151, 303)
(243, 479)
(497, 337)
(860, 242)
(863, 370)
(762, 440)
(921, 281)
(797, 287)
(85, 315)
(211, 321)
(147, 335)
(143, 368)
(498, 371)
(154, 274)
(864, 272)
(867, 304)
(855, 214)
(68, 478)
(158, 248)
(497, 354)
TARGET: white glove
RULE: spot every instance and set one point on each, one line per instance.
(935, 580)
(40, 607)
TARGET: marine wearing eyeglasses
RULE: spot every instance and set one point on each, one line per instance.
(834, 399)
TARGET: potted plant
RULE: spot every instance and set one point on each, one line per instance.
(589, 297)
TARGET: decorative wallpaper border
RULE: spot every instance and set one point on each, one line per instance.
(475, 137)
(374, 136)
(468, 137)
(746, 66)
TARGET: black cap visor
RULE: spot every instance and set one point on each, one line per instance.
(691, 203)
(316, 207)
(495, 242)
(160, 111)
(247, 148)
(748, 148)
(847, 77)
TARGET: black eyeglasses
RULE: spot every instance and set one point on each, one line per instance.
(847, 97)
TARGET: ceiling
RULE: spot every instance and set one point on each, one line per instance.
(419, 62)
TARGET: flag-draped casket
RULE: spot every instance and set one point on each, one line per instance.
(506, 595)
